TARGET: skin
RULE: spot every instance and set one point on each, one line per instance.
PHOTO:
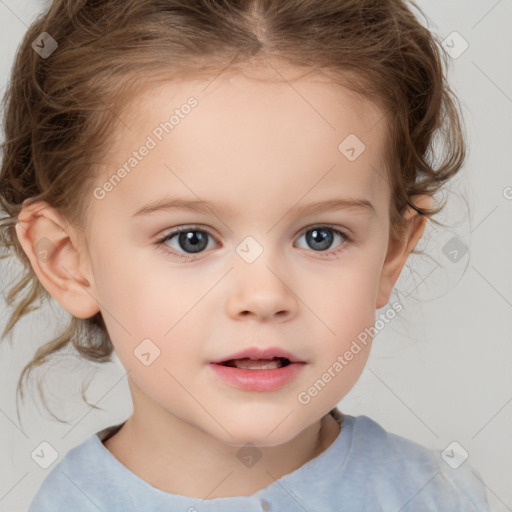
(262, 148)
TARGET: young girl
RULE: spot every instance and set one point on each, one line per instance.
(223, 192)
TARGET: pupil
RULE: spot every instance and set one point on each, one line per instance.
(193, 241)
(322, 236)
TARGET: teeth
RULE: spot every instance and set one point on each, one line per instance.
(259, 364)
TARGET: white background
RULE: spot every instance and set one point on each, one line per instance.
(440, 372)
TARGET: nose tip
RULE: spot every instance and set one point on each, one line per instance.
(261, 293)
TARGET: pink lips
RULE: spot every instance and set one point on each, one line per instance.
(258, 380)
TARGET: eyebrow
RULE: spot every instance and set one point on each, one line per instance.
(190, 205)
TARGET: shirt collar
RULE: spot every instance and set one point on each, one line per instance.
(313, 486)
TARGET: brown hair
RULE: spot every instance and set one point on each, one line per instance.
(58, 108)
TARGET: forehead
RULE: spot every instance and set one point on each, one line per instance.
(253, 136)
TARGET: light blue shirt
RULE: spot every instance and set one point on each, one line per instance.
(366, 469)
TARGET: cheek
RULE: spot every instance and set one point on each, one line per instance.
(150, 310)
(345, 298)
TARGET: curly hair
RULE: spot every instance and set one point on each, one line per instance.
(59, 111)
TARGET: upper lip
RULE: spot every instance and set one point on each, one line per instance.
(258, 353)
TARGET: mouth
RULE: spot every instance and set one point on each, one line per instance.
(257, 357)
(246, 363)
(257, 369)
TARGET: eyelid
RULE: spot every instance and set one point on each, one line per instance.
(184, 228)
(323, 226)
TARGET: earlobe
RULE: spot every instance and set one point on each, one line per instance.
(400, 249)
(51, 247)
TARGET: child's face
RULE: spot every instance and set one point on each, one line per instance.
(261, 151)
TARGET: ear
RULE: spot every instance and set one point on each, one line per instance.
(53, 249)
(399, 249)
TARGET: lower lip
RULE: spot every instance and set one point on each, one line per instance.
(257, 380)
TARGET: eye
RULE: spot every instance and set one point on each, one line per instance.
(320, 238)
(189, 240)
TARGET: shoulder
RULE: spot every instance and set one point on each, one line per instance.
(77, 482)
(409, 476)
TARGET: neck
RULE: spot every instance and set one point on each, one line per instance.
(189, 462)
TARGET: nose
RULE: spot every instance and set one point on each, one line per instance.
(261, 290)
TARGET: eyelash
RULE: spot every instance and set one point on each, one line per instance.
(161, 245)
